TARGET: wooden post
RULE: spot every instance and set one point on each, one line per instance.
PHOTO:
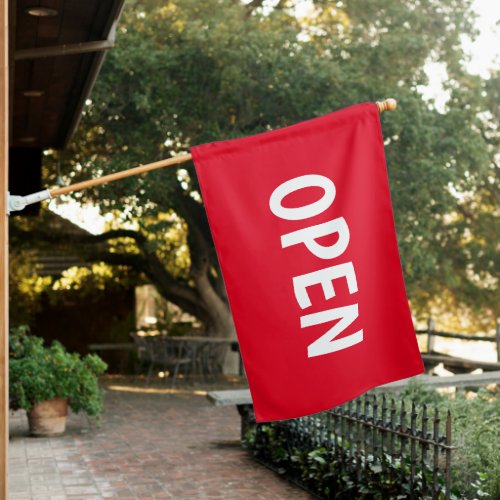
(4, 248)
(498, 341)
(431, 326)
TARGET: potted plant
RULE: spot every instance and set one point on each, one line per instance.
(45, 380)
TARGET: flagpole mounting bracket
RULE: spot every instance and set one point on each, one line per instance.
(16, 203)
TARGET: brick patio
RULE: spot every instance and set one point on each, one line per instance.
(158, 444)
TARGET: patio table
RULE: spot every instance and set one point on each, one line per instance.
(203, 351)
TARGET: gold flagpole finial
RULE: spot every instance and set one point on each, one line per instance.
(387, 105)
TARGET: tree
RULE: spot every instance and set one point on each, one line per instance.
(188, 72)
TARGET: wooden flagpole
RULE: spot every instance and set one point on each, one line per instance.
(121, 175)
(387, 105)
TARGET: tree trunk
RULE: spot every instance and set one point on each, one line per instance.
(221, 324)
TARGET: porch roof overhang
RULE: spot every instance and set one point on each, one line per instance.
(57, 48)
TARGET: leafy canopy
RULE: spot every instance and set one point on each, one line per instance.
(186, 72)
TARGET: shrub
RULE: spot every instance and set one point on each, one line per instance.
(475, 465)
(475, 434)
(38, 373)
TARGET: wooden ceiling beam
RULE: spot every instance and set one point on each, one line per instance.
(47, 101)
(63, 50)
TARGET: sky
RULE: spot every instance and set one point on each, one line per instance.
(484, 52)
(486, 48)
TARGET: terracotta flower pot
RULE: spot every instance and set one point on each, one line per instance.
(48, 417)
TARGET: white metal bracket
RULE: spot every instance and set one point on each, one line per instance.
(16, 203)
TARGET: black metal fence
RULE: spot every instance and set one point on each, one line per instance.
(369, 446)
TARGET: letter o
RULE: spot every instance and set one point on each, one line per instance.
(304, 181)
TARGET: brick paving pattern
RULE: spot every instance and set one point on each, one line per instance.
(149, 445)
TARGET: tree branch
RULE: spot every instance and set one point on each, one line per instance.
(135, 261)
(65, 238)
(118, 233)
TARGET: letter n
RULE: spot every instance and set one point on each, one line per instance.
(327, 344)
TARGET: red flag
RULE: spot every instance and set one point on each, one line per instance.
(303, 226)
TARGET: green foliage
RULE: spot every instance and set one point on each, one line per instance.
(38, 373)
(475, 434)
(421, 394)
(25, 286)
(29, 292)
(333, 473)
(475, 465)
(187, 72)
